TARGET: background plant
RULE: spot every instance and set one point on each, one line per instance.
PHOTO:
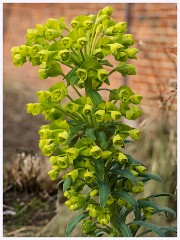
(86, 138)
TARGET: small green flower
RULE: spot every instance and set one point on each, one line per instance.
(106, 154)
(122, 158)
(43, 96)
(115, 115)
(66, 42)
(82, 74)
(99, 53)
(45, 133)
(74, 23)
(53, 174)
(53, 160)
(87, 109)
(71, 107)
(43, 73)
(96, 152)
(99, 115)
(92, 210)
(137, 189)
(34, 108)
(88, 176)
(116, 48)
(64, 55)
(121, 202)
(134, 133)
(44, 55)
(103, 219)
(18, 60)
(73, 174)
(88, 226)
(82, 42)
(72, 154)
(118, 141)
(107, 10)
(47, 150)
(124, 95)
(102, 74)
(58, 94)
(62, 162)
(111, 31)
(121, 27)
(88, 24)
(136, 99)
(62, 137)
(141, 169)
(51, 34)
(94, 192)
(131, 52)
(127, 39)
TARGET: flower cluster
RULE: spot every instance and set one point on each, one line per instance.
(86, 137)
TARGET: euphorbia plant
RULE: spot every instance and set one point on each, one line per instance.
(86, 136)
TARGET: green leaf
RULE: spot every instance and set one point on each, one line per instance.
(66, 184)
(164, 229)
(70, 75)
(167, 210)
(160, 195)
(72, 224)
(99, 168)
(149, 176)
(78, 127)
(104, 192)
(126, 174)
(143, 203)
(105, 62)
(54, 70)
(123, 228)
(151, 226)
(107, 81)
(75, 79)
(131, 160)
(103, 140)
(90, 133)
(95, 97)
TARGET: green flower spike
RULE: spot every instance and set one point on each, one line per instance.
(53, 174)
(96, 152)
(64, 55)
(34, 108)
(58, 94)
(51, 34)
(62, 162)
(82, 42)
(115, 115)
(82, 74)
(71, 107)
(66, 42)
(118, 141)
(62, 137)
(88, 176)
(136, 99)
(102, 74)
(72, 154)
(87, 109)
(135, 134)
(122, 158)
(99, 115)
(99, 53)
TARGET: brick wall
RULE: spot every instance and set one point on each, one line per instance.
(153, 25)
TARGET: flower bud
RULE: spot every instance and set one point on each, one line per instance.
(82, 74)
(34, 108)
(137, 189)
(43, 73)
(94, 192)
(133, 172)
(72, 154)
(99, 115)
(136, 99)
(71, 107)
(115, 115)
(66, 42)
(118, 141)
(53, 174)
(101, 18)
(131, 52)
(62, 137)
(106, 154)
(102, 74)
(96, 152)
(88, 176)
(122, 158)
(121, 202)
(74, 207)
(62, 162)
(64, 55)
(127, 39)
(87, 109)
(110, 201)
(134, 133)
(51, 34)
(82, 42)
(107, 10)
(141, 169)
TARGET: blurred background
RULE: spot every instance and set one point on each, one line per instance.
(32, 204)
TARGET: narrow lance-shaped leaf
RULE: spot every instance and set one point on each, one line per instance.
(104, 192)
(99, 168)
(123, 228)
(95, 97)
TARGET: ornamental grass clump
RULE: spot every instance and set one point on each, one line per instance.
(86, 137)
